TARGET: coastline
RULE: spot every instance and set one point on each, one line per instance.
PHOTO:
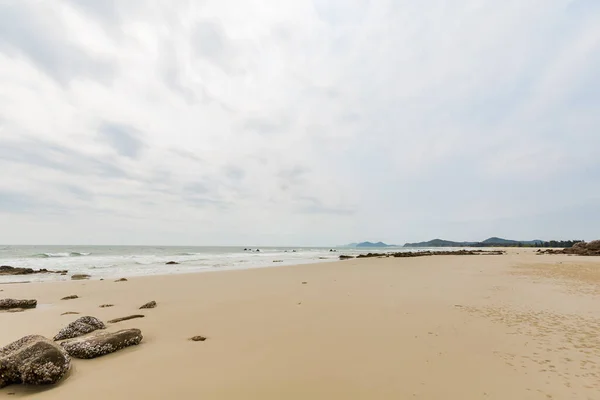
(358, 329)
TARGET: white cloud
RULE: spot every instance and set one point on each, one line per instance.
(305, 122)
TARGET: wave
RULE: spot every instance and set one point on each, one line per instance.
(52, 255)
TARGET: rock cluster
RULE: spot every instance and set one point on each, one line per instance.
(580, 249)
(434, 253)
(8, 270)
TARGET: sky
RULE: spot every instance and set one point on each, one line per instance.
(305, 122)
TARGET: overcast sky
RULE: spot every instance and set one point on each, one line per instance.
(298, 122)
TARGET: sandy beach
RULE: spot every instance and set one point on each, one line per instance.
(516, 326)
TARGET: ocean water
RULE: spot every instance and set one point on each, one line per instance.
(123, 261)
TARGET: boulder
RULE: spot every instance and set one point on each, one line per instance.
(78, 277)
(171, 263)
(102, 343)
(198, 339)
(80, 326)
(151, 304)
(7, 304)
(33, 360)
(71, 297)
(121, 280)
(345, 257)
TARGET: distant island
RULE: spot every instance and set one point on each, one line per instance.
(369, 244)
(495, 242)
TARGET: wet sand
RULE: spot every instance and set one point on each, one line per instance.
(517, 326)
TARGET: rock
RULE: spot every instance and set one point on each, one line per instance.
(33, 360)
(102, 343)
(121, 280)
(80, 326)
(345, 257)
(106, 305)
(277, 261)
(8, 270)
(78, 277)
(172, 263)
(198, 339)
(69, 313)
(6, 304)
(71, 297)
(114, 321)
(304, 283)
(151, 304)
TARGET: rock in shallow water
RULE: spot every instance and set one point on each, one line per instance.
(71, 297)
(7, 304)
(79, 327)
(78, 277)
(102, 343)
(33, 360)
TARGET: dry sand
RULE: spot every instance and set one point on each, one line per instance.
(517, 326)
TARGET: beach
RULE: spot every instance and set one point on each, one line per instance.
(513, 326)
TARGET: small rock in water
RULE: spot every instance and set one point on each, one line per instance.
(102, 343)
(171, 263)
(71, 297)
(121, 280)
(69, 313)
(151, 304)
(198, 339)
(6, 304)
(106, 305)
(80, 326)
(114, 321)
(33, 360)
(78, 277)
(277, 260)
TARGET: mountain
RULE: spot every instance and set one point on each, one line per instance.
(490, 242)
(369, 244)
(439, 243)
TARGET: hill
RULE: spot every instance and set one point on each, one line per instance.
(490, 242)
(369, 244)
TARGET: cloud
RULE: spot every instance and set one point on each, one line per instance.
(35, 33)
(305, 122)
(124, 139)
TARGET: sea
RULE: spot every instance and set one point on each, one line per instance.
(104, 262)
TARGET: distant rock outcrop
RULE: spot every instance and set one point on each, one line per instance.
(579, 249)
(33, 360)
(102, 343)
(8, 270)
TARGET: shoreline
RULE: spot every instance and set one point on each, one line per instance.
(358, 329)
